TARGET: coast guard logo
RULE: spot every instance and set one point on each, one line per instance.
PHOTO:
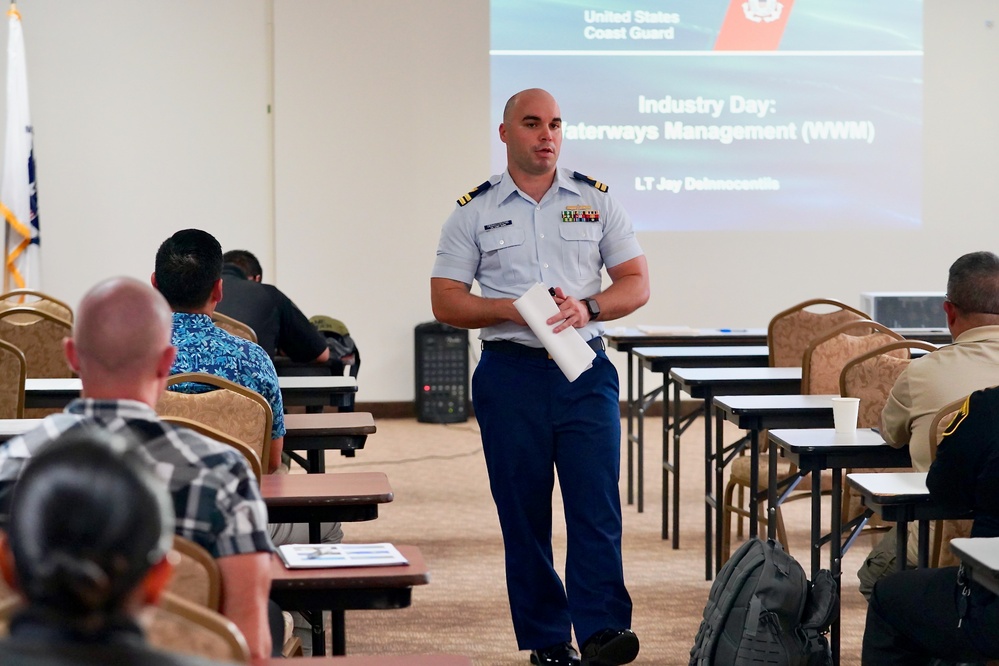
(762, 11)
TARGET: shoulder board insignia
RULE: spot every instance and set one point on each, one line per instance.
(586, 179)
(474, 193)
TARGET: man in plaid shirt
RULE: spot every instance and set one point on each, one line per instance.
(121, 350)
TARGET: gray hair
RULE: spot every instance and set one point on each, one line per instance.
(973, 283)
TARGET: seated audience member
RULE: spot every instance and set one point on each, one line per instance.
(279, 324)
(86, 546)
(189, 275)
(935, 380)
(919, 615)
(121, 350)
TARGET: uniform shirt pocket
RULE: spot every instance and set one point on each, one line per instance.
(581, 248)
(504, 254)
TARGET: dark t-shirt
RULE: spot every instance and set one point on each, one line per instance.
(278, 322)
(36, 641)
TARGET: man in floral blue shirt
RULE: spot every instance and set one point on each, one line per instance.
(189, 275)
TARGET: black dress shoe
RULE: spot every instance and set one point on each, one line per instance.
(610, 647)
(562, 654)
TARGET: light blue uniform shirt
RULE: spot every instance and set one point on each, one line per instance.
(509, 242)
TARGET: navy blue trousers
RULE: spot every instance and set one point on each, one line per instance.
(534, 424)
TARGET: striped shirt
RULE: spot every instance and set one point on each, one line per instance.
(215, 495)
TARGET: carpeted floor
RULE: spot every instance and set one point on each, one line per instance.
(442, 504)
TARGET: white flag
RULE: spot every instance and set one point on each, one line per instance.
(18, 195)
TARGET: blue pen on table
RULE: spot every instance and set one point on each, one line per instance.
(733, 330)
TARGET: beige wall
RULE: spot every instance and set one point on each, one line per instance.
(153, 116)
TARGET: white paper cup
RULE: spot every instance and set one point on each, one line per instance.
(845, 411)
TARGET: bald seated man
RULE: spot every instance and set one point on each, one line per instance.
(121, 350)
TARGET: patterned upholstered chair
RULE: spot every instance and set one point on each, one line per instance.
(826, 355)
(13, 370)
(228, 407)
(942, 531)
(175, 625)
(789, 336)
(870, 377)
(180, 625)
(790, 331)
(248, 452)
(234, 326)
(196, 576)
(37, 300)
(39, 336)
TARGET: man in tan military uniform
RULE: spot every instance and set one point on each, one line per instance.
(937, 379)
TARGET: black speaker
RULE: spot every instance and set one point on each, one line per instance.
(441, 373)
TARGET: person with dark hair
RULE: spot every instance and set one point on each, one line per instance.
(279, 324)
(189, 275)
(935, 380)
(921, 616)
(86, 547)
(121, 349)
(535, 223)
(245, 261)
(188, 268)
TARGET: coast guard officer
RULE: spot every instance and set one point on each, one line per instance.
(538, 223)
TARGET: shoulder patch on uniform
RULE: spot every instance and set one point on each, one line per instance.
(465, 198)
(590, 181)
(958, 418)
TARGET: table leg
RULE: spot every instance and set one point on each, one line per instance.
(338, 629)
(772, 493)
(719, 499)
(924, 544)
(670, 467)
(639, 434)
(319, 634)
(816, 549)
(754, 482)
(901, 544)
(640, 467)
(630, 409)
(835, 545)
(317, 461)
(676, 472)
(677, 432)
(708, 471)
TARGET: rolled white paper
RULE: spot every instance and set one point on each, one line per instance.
(568, 349)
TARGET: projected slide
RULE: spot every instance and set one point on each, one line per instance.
(729, 115)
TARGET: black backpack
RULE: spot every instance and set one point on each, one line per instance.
(762, 610)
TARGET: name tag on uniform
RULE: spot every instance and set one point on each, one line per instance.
(498, 225)
(580, 214)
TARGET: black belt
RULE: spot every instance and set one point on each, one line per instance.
(517, 349)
